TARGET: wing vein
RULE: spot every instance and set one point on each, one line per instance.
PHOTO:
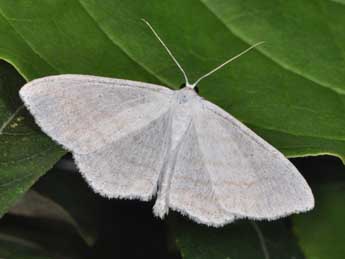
(272, 150)
(207, 170)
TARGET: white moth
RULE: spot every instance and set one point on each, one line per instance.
(135, 140)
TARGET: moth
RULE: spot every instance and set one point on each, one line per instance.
(137, 140)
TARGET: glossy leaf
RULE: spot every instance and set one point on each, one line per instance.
(25, 153)
(292, 86)
(289, 90)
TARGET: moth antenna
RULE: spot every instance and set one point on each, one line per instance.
(225, 63)
(169, 52)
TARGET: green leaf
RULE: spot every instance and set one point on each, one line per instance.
(290, 90)
(304, 46)
(25, 153)
(303, 37)
(300, 146)
(292, 86)
(240, 240)
(321, 232)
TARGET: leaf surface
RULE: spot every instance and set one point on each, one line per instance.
(293, 85)
(240, 240)
(25, 153)
(290, 90)
(321, 232)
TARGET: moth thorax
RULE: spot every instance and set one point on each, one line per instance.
(185, 95)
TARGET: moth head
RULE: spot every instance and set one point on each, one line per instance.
(194, 85)
(195, 88)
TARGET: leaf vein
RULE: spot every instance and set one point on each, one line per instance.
(145, 68)
(261, 240)
(26, 41)
(10, 118)
(277, 62)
